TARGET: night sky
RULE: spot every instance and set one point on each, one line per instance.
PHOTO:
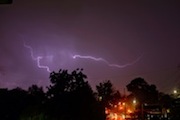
(143, 34)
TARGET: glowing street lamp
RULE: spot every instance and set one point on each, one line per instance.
(175, 91)
(134, 101)
(134, 104)
(123, 103)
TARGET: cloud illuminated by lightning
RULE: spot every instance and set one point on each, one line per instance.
(37, 59)
(105, 61)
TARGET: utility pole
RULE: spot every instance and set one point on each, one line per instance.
(125, 103)
(142, 111)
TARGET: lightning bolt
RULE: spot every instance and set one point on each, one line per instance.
(105, 61)
(37, 59)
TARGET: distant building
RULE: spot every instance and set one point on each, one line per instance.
(152, 111)
(175, 109)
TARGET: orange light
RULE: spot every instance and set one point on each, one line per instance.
(123, 116)
(129, 111)
(112, 116)
(120, 107)
(106, 111)
(115, 116)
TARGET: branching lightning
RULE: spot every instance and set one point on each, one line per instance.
(76, 56)
(37, 59)
(105, 61)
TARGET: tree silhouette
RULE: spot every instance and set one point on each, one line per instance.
(37, 94)
(34, 110)
(142, 91)
(107, 94)
(71, 97)
(12, 103)
(165, 100)
(63, 82)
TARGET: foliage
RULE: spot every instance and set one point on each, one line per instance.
(71, 97)
(142, 91)
(165, 100)
(12, 103)
(36, 94)
(63, 82)
(107, 94)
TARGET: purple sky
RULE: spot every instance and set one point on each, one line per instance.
(117, 31)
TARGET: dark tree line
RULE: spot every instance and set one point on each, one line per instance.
(70, 97)
(144, 92)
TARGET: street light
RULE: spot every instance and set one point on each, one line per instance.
(134, 104)
(175, 91)
(134, 101)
